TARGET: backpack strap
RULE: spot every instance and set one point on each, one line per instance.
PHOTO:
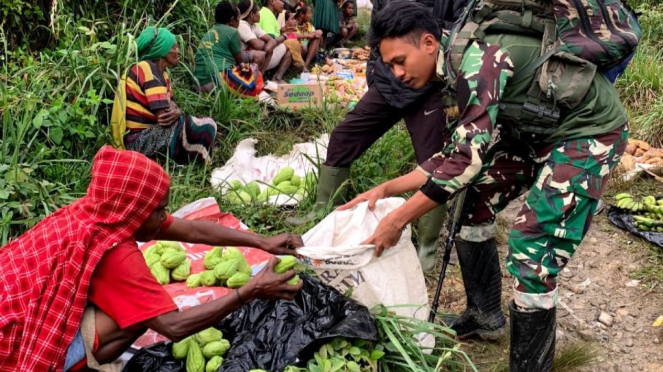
(532, 66)
(477, 22)
(458, 40)
(525, 20)
(458, 46)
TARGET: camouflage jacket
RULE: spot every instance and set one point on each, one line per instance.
(483, 75)
(482, 82)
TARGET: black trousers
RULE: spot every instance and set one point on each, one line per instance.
(373, 117)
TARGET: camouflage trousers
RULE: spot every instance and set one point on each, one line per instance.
(566, 180)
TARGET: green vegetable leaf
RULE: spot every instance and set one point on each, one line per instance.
(360, 343)
(337, 365)
(377, 354)
(56, 134)
(318, 358)
(314, 368)
(352, 366)
(326, 365)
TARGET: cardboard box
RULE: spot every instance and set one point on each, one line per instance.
(299, 95)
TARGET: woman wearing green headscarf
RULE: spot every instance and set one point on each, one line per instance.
(145, 117)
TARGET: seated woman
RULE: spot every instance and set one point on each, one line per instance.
(268, 21)
(309, 36)
(347, 25)
(77, 281)
(219, 59)
(145, 117)
(260, 45)
(257, 46)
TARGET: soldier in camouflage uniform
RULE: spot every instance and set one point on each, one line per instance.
(565, 172)
(386, 102)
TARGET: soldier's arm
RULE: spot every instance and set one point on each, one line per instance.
(483, 75)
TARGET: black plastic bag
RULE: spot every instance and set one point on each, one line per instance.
(156, 358)
(272, 335)
(624, 221)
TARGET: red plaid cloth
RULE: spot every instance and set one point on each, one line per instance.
(46, 272)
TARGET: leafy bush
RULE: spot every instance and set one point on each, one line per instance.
(651, 20)
(641, 84)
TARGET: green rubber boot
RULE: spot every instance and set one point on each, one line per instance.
(428, 237)
(329, 184)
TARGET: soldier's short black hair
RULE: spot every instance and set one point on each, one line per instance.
(403, 19)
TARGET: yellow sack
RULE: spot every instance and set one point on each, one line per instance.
(119, 114)
(295, 48)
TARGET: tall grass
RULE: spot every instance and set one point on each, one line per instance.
(404, 353)
(641, 88)
(641, 84)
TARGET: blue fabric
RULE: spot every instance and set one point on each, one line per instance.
(75, 352)
(613, 74)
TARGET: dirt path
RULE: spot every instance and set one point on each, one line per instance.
(597, 284)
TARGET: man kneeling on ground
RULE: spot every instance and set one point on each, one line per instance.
(82, 265)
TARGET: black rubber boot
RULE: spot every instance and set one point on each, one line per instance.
(480, 268)
(532, 339)
(329, 186)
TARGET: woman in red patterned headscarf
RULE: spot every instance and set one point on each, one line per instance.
(85, 256)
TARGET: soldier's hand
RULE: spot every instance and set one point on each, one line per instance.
(384, 237)
(371, 196)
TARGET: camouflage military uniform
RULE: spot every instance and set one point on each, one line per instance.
(566, 171)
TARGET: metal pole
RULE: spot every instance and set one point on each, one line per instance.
(455, 215)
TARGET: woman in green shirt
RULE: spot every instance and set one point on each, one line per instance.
(269, 23)
(219, 57)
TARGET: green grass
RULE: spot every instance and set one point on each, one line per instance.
(364, 21)
(639, 186)
(641, 88)
(651, 273)
(640, 85)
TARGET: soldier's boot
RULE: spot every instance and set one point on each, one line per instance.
(532, 339)
(330, 182)
(428, 237)
(480, 269)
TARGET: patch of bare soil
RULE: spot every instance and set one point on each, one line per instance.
(600, 302)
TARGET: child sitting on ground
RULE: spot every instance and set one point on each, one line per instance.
(347, 25)
(292, 41)
(309, 36)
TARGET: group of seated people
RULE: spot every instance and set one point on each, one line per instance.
(244, 43)
(269, 39)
